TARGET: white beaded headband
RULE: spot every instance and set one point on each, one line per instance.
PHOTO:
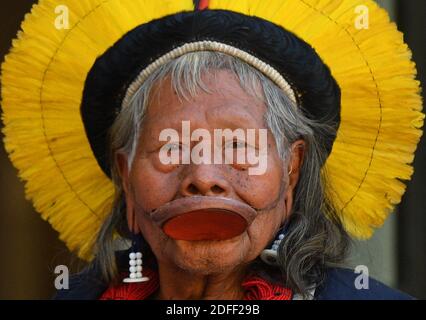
(265, 68)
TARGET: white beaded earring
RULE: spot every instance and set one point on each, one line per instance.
(135, 268)
(135, 260)
(270, 255)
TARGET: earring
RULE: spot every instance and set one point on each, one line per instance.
(135, 263)
(270, 256)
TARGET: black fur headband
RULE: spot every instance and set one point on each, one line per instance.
(318, 94)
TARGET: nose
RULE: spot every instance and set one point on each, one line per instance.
(205, 180)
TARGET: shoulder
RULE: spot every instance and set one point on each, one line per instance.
(340, 284)
(88, 284)
(85, 285)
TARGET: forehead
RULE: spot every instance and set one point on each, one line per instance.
(226, 103)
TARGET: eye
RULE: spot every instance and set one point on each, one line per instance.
(235, 144)
(173, 146)
(169, 156)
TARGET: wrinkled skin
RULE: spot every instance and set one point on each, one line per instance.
(206, 269)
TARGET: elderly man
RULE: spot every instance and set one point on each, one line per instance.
(215, 126)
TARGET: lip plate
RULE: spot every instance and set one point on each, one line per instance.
(208, 224)
(201, 203)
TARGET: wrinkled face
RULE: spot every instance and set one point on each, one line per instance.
(150, 184)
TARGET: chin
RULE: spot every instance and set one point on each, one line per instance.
(206, 266)
(208, 257)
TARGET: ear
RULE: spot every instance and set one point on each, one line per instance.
(293, 171)
(124, 172)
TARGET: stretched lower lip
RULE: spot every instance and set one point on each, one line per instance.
(203, 218)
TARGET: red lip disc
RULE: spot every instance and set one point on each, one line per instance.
(207, 224)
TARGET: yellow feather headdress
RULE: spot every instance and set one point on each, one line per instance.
(44, 74)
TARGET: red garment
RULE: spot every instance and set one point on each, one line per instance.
(255, 288)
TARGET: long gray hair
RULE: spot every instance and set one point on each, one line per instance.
(315, 238)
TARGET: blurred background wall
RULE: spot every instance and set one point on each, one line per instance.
(30, 249)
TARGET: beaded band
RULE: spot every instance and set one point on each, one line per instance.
(265, 68)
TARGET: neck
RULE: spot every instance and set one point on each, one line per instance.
(178, 284)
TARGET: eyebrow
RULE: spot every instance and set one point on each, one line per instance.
(240, 120)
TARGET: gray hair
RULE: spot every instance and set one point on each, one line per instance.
(315, 238)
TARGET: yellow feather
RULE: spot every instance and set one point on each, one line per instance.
(50, 149)
(381, 104)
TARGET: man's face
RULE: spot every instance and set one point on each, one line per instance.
(150, 183)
